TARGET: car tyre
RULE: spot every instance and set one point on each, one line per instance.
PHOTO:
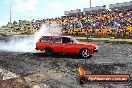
(48, 51)
(85, 53)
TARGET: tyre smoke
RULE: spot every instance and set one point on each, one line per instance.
(28, 43)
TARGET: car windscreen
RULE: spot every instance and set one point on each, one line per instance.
(74, 40)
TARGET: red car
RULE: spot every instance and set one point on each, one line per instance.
(65, 44)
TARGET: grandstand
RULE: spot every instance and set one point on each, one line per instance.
(117, 21)
(94, 10)
(121, 6)
(73, 12)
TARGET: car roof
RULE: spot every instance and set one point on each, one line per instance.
(58, 36)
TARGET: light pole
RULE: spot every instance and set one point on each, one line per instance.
(10, 12)
(90, 3)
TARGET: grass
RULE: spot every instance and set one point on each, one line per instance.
(9, 33)
(106, 39)
(1, 31)
(80, 38)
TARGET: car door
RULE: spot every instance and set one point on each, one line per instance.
(56, 44)
(43, 42)
(68, 46)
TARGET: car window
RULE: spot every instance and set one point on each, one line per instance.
(45, 39)
(56, 40)
(66, 40)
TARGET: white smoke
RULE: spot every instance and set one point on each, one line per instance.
(28, 44)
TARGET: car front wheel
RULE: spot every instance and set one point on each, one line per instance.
(85, 53)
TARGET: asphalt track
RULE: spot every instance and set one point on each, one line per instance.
(61, 69)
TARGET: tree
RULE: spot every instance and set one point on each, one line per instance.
(15, 23)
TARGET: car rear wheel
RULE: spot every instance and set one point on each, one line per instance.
(85, 53)
(48, 51)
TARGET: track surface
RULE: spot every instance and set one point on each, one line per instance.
(61, 69)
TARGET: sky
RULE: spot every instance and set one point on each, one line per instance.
(40, 9)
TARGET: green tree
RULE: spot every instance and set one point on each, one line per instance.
(15, 23)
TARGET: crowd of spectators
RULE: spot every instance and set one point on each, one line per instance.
(100, 21)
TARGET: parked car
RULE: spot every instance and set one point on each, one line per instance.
(65, 44)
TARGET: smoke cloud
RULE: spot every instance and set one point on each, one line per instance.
(28, 43)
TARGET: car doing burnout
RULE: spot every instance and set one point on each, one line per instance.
(65, 44)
